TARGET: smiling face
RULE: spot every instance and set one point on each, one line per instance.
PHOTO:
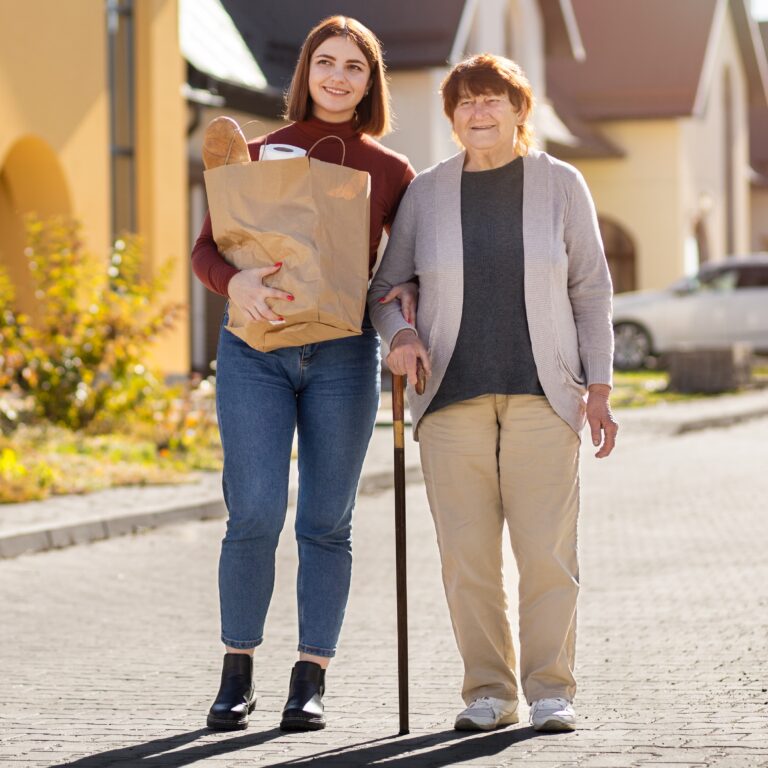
(486, 123)
(339, 75)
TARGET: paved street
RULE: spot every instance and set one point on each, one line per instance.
(109, 651)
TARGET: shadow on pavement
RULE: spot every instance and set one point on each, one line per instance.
(437, 749)
(433, 750)
(163, 752)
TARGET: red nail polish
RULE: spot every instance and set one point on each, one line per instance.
(279, 264)
(381, 301)
(290, 298)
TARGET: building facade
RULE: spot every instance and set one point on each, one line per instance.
(94, 123)
(670, 85)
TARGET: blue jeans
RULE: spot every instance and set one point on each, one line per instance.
(330, 392)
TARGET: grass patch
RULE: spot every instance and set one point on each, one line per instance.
(42, 461)
(163, 442)
(637, 389)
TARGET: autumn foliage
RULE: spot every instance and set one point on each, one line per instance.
(81, 356)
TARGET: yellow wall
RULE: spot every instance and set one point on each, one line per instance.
(421, 130)
(54, 127)
(162, 161)
(642, 193)
(54, 135)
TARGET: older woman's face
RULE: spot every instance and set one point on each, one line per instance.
(486, 121)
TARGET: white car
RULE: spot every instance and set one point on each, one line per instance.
(725, 303)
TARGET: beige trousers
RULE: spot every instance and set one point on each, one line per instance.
(486, 460)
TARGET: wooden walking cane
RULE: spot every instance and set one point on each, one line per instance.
(400, 559)
(400, 563)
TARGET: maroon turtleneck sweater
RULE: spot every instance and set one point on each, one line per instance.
(391, 173)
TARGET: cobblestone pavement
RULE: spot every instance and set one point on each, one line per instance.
(109, 651)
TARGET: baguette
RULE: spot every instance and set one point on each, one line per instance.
(223, 137)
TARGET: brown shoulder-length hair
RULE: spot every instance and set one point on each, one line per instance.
(373, 116)
(488, 73)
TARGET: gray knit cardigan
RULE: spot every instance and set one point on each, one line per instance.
(567, 283)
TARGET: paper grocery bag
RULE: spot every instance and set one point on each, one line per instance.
(312, 216)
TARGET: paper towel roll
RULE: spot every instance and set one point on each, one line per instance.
(279, 152)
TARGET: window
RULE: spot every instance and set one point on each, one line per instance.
(718, 279)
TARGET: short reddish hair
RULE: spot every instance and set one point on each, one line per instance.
(373, 112)
(488, 73)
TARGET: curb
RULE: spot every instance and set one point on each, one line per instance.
(726, 420)
(45, 538)
(83, 532)
(673, 427)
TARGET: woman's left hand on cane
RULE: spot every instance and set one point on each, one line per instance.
(405, 353)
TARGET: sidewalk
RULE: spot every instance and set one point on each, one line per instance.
(110, 653)
(62, 521)
(66, 520)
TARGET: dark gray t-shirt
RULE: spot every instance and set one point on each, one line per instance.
(493, 352)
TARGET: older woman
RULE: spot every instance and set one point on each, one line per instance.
(514, 329)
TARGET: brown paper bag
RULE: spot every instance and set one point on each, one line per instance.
(314, 218)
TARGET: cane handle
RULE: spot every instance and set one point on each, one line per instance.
(421, 377)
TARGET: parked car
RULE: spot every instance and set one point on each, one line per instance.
(725, 303)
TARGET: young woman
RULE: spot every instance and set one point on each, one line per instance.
(328, 391)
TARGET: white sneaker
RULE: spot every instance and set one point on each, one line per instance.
(553, 715)
(486, 713)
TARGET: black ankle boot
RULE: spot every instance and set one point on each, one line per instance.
(304, 709)
(235, 699)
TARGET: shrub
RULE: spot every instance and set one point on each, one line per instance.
(81, 356)
(12, 330)
(180, 421)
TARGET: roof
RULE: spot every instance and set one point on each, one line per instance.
(211, 43)
(220, 67)
(413, 34)
(426, 33)
(561, 30)
(653, 59)
(244, 51)
(636, 65)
